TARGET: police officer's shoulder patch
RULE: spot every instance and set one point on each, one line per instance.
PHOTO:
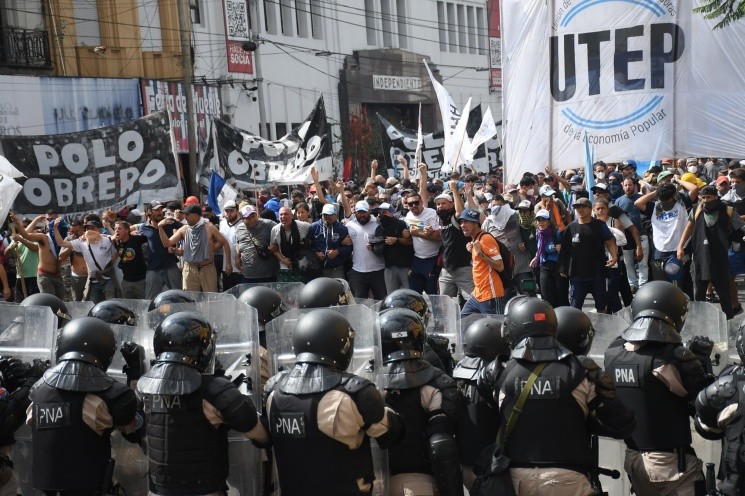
(288, 424)
(51, 415)
(353, 383)
(625, 374)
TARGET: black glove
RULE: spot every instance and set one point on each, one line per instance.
(701, 347)
(35, 370)
(14, 372)
(134, 357)
(219, 369)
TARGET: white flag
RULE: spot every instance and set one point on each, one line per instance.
(419, 138)
(487, 130)
(9, 189)
(458, 153)
(8, 169)
(448, 110)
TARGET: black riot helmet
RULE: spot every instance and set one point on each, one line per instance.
(325, 337)
(402, 334)
(323, 292)
(528, 317)
(408, 298)
(171, 296)
(86, 339)
(186, 338)
(661, 300)
(49, 300)
(113, 312)
(267, 302)
(574, 330)
(483, 339)
(740, 342)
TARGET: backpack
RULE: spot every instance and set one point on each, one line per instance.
(507, 259)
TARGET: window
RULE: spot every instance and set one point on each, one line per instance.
(285, 18)
(461, 28)
(150, 33)
(471, 18)
(402, 28)
(385, 18)
(481, 30)
(270, 16)
(281, 128)
(370, 22)
(442, 26)
(315, 19)
(86, 23)
(461, 23)
(194, 13)
(452, 23)
(301, 17)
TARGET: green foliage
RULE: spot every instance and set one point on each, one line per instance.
(726, 11)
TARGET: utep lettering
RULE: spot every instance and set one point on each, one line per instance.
(621, 60)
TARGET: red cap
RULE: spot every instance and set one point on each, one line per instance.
(192, 200)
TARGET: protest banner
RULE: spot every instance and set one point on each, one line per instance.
(398, 142)
(247, 161)
(96, 169)
(635, 80)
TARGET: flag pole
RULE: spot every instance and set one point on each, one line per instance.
(18, 263)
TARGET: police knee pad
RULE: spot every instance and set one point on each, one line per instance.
(442, 448)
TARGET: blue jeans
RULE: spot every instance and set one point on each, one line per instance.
(580, 288)
(493, 306)
(423, 275)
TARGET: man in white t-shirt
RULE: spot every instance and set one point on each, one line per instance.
(424, 226)
(99, 254)
(229, 223)
(368, 268)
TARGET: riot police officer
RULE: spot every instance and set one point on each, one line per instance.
(549, 444)
(656, 377)
(323, 292)
(268, 304)
(483, 345)
(171, 296)
(574, 330)
(189, 411)
(49, 300)
(436, 350)
(321, 417)
(74, 409)
(113, 312)
(426, 462)
(720, 414)
(17, 378)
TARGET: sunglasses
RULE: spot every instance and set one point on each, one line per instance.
(413, 203)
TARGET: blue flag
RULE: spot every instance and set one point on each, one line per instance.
(219, 192)
(589, 160)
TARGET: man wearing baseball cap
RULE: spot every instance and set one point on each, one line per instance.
(582, 258)
(330, 241)
(397, 251)
(252, 238)
(229, 222)
(486, 264)
(162, 264)
(368, 268)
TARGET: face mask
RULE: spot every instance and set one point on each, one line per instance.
(577, 187)
(531, 191)
(615, 189)
(739, 189)
(692, 169)
(712, 206)
(600, 175)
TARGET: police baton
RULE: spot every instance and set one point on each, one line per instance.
(711, 481)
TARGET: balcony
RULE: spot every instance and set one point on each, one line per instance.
(24, 48)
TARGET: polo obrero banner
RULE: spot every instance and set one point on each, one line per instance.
(635, 79)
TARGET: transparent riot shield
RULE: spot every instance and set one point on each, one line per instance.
(445, 321)
(130, 469)
(237, 349)
(607, 329)
(26, 333)
(288, 291)
(366, 361)
(706, 319)
(79, 308)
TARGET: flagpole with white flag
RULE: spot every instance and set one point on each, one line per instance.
(487, 130)
(9, 190)
(419, 140)
(448, 111)
(589, 160)
(460, 134)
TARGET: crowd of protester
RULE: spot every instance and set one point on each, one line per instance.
(468, 236)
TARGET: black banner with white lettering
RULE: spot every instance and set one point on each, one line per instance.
(401, 141)
(246, 160)
(92, 170)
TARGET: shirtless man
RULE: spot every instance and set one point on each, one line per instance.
(48, 272)
(79, 271)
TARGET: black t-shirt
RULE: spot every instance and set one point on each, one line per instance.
(131, 258)
(454, 252)
(395, 255)
(583, 249)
